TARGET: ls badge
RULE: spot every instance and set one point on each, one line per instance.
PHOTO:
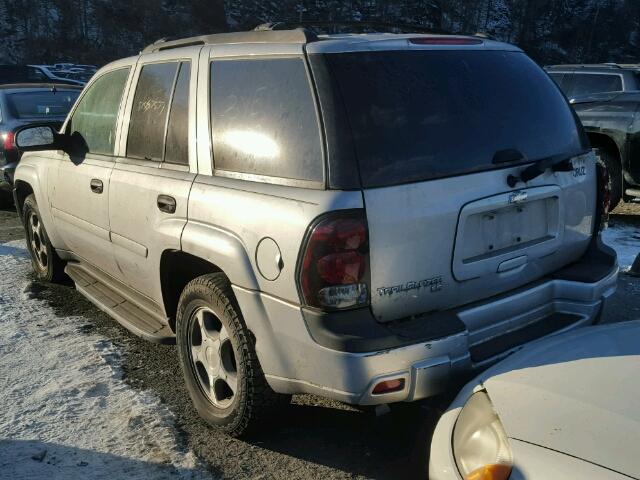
(518, 197)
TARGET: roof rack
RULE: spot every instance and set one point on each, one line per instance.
(324, 27)
(587, 65)
(298, 35)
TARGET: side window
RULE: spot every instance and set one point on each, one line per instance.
(585, 84)
(263, 119)
(95, 117)
(150, 110)
(558, 78)
(177, 149)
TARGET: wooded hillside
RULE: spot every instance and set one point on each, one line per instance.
(97, 31)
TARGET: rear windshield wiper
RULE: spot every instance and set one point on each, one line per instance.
(557, 163)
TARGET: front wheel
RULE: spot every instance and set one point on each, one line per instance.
(218, 358)
(5, 199)
(45, 261)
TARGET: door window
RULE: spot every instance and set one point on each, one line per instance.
(177, 144)
(150, 110)
(158, 129)
(95, 117)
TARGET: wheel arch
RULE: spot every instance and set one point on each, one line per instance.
(22, 190)
(205, 250)
(177, 269)
(602, 141)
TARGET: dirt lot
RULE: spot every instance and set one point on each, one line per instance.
(314, 438)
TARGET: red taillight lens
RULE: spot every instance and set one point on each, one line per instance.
(8, 140)
(445, 41)
(342, 268)
(334, 272)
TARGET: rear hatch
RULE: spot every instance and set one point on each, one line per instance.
(437, 132)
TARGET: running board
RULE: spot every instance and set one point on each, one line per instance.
(133, 311)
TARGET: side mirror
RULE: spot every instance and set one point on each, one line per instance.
(34, 138)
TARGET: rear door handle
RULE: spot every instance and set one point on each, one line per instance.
(166, 204)
(96, 186)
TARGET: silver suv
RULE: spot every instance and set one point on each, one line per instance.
(362, 217)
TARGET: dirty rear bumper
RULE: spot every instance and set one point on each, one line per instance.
(345, 357)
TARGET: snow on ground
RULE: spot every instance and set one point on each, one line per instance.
(65, 412)
(624, 238)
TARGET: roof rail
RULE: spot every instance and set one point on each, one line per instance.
(324, 27)
(586, 65)
(297, 35)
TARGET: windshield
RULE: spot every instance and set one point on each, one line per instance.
(42, 104)
(417, 115)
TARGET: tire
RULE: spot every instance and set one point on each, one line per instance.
(6, 199)
(45, 261)
(218, 358)
(614, 170)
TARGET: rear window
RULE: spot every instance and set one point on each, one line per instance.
(42, 104)
(585, 84)
(418, 115)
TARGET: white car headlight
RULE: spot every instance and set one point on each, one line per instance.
(480, 444)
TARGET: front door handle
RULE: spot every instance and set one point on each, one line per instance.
(166, 204)
(96, 186)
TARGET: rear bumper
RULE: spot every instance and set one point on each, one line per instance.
(303, 353)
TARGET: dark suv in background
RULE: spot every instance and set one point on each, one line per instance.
(579, 80)
(606, 97)
(23, 104)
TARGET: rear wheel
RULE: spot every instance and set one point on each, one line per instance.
(45, 261)
(5, 199)
(218, 358)
(614, 171)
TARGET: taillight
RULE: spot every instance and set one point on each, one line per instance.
(445, 41)
(334, 269)
(8, 142)
(603, 196)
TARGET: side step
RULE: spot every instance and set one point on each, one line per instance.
(133, 311)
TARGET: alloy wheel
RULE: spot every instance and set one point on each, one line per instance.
(37, 240)
(213, 358)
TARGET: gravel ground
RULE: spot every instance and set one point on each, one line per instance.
(314, 438)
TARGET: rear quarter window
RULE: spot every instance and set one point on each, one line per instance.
(588, 83)
(264, 120)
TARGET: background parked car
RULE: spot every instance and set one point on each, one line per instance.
(606, 98)
(562, 408)
(23, 104)
(29, 74)
(579, 80)
(68, 72)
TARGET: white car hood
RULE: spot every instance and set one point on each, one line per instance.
(577, 393)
